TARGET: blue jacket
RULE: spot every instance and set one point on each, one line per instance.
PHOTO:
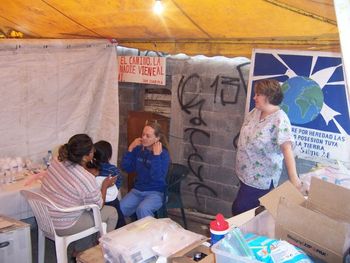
(107, 169)
(151, 170)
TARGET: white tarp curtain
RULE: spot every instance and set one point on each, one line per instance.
(53, 89)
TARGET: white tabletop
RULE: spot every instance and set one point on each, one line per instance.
(12, 203)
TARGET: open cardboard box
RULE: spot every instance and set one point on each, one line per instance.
(319, 225)
(186, 255)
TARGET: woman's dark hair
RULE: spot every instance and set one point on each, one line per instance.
(77, 147)
(271, 88)
(103, 152)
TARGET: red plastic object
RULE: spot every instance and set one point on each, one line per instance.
(219, 224)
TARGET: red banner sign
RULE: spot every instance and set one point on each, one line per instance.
(147, 70)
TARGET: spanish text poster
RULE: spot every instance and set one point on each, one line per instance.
(315, 99)
(141, 69)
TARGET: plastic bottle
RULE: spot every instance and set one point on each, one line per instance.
(13, 170)
(2, 177)
(48, 158)
(7, 173)
(218, 228)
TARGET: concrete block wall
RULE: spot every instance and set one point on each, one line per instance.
(207, 110)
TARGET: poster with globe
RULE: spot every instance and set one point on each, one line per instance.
(315, 100)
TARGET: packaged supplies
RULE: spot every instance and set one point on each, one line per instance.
(233, 248)
(275, 251)
(339, 176)
(147, 239)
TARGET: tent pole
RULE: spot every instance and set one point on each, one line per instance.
(342, 11)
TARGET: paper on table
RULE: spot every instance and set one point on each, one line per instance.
(5, 224)
(34, 177)
(19, 176)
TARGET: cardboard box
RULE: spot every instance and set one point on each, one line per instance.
(15, 241)
(186, 255)
(319, 225)
(91, 255)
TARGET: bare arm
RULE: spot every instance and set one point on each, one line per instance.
(290, 164)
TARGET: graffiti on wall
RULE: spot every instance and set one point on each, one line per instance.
(225, 91)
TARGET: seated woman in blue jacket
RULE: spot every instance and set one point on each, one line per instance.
(149, 158)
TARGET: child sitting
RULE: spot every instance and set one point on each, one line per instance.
(101, 168)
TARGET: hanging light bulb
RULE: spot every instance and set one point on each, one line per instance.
(158, 7)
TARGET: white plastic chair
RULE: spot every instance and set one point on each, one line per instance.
(40, 205)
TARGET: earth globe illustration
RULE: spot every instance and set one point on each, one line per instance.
(303, 99)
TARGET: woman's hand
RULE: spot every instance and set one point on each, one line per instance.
(289, 160)
(136, 142)
(296, 182)
(157, 148)
(109, 182)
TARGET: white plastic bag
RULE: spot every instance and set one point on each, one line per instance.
(339, 176)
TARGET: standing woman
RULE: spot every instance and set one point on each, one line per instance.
(149, 158)
(68, 184)
(265, 140)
